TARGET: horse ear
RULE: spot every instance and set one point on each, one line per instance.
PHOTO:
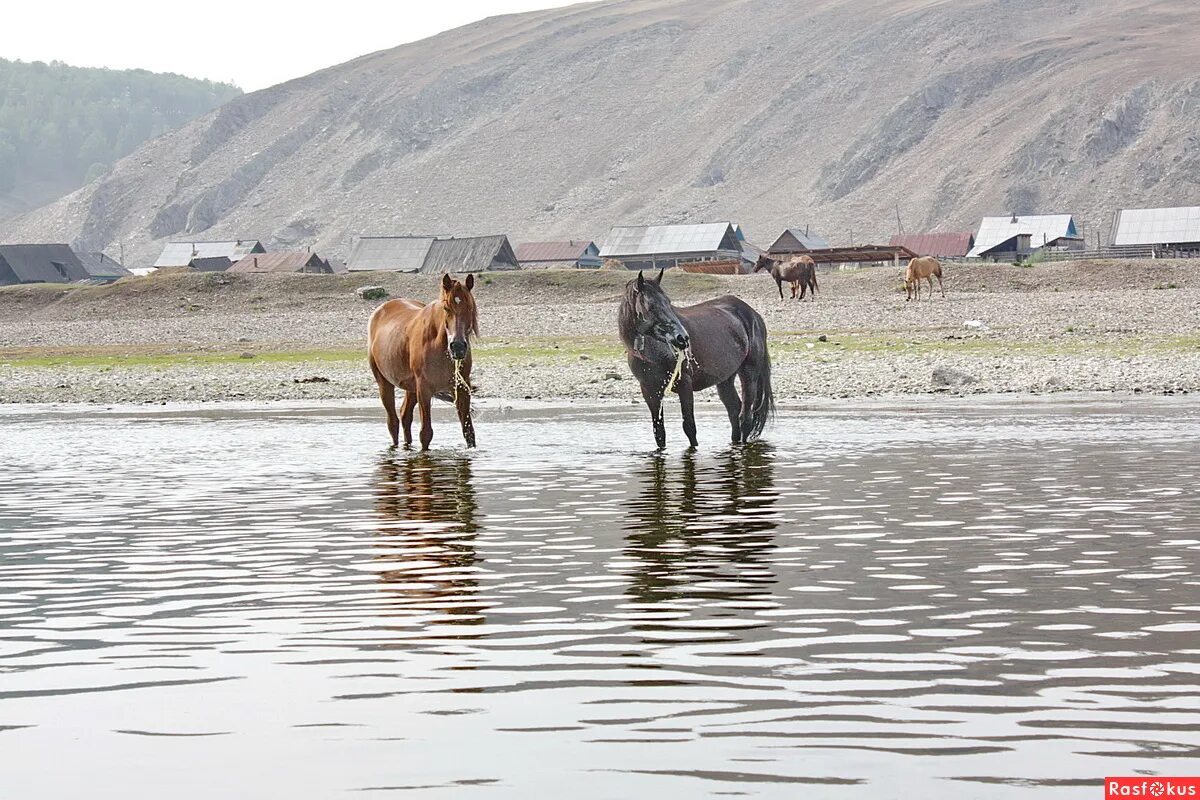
(641, 280)
(660, 274)
(470, 281)
(447, 282)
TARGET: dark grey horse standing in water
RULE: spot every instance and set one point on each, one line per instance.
(724, 339)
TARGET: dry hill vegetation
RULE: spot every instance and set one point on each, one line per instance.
(769, 112)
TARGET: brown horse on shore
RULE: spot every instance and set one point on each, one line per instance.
(799, 271)
(426, 351)
(924, 268)
(690, 349)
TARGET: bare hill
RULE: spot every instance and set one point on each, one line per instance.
(770, 112)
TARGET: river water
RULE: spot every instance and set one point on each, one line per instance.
(952, 599)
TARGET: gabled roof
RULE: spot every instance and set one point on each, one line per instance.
(210, 264)
(648, 240)
(470, 254)
(99, 265)
(282, 261)
(1042, 229)
(42, 263)
(951, 245)
(572, 250)
(180, 254)
(794, 239)
(389, 253)
(1157, 226)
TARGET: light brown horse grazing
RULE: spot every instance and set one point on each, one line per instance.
(799, 271)
(924, 268)
(426, 351)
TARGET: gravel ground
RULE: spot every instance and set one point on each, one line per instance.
(1054, 328)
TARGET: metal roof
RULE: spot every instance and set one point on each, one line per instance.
(1157, 226)
(282, 261)
(210, 264)
(180, 254)
(99, 265)
(803, 240)
(572, 250)
(35, 263)
(650, 240)
(389, 253)
(952, 245)
(470, 254)
(1042, 229)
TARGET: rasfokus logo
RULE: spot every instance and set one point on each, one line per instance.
(1151, 787)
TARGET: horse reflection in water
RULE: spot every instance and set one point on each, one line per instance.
(428, 515)
(703, 529)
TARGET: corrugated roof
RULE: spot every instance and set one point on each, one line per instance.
(650, 240)
(36, 263)
(180, 254)
(470, 254)
(571, 250)
(99, 265)
(1157, 226)
(1042, 228)
(282, 261)
(389, 253)
(949, 245)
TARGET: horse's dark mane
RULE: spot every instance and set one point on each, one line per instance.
(627, 312)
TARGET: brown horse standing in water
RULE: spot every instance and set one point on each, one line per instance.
(721, 340)
(426, 351)
(924, 268)
(799, 271)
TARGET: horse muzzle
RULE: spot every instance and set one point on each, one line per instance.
(458, 350)
(681, 341)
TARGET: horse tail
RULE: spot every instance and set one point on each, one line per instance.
(762, 401)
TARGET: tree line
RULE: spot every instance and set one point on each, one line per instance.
(62, 126)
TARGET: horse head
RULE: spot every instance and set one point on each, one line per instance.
(458, 305)
(764, 262)
(651, 314)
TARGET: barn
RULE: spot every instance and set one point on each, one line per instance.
(39, 263)
(182, 254)
(1014, 237)
(939, 245)
(571, 254)
(432, 254)
(797, 240)
(304, 261)
(665, 246)
(1170, 229)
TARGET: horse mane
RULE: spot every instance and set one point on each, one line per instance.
(627, 313)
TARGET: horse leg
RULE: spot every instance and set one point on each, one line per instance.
(748, 390)
(733, 406)
(406, 416)
(387, 396)
(425, 403)
(929, 278)
(941, 286)
(463, 404)
(779, 286)
(654, 401)
(687, 406)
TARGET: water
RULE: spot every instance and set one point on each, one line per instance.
(944, 601)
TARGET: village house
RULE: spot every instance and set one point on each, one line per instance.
(432, 255)
(1012, 238)
(206, 256)
(1171, 229)
(571, 254)
(301, 261)
(939, 245)
(649, 247)
(797, 240)
(39, 263)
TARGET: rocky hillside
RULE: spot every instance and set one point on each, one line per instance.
(770, 112)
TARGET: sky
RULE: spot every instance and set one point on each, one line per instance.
(253, 44)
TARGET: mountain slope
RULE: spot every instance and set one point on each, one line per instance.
(61, 125)
(769, 112)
